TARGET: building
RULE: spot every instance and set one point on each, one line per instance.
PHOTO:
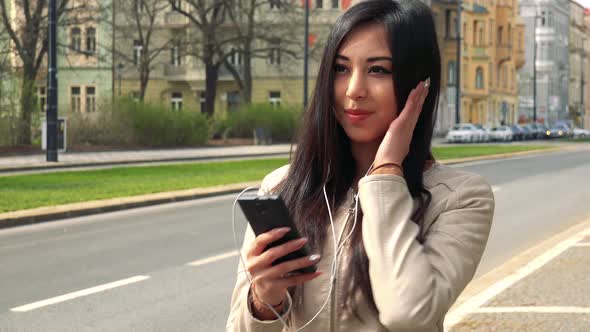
(586, 85)
(578, 64)
(491, 52)
(547, 30)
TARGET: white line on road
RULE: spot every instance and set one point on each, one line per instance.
(545, 310)
(213, 258)
(477, 301)
(84, 292)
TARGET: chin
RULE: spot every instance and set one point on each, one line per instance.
(359, 135)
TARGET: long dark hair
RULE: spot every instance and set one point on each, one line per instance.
(323, 154)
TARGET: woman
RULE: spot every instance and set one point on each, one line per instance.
(421, 228)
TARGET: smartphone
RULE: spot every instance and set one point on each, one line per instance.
(265, 213)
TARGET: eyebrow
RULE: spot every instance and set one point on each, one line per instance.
(371, 59)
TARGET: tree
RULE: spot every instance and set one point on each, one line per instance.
(138, 20)
(27, 34)
(213, 35)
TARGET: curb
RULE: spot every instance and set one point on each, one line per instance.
(43, 214)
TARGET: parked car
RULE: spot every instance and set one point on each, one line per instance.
(517, 133)
(528, 132)
(501, 133)
(535, 129)
(484, 135)
(556, 132)
(462, 133)
(581, 133)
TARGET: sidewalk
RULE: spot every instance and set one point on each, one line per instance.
(543, 289)
(80, 159)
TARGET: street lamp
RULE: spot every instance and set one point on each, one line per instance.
(458, 69)
(120, 67)
(535, 65)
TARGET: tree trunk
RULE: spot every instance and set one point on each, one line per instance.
(144, 77)
(211, 73)
(28, 104)
(247, 75)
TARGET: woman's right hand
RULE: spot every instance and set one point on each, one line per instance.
(270, 283)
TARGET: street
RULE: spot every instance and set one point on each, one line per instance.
(150, 250)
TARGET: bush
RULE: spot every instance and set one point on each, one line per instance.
(132, 124)
(280, 122)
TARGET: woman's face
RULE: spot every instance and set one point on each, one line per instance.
(365, 102)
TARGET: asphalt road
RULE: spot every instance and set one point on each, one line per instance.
(148, 250)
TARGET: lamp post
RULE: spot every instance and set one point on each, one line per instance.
(120, 67)
(51, 113)
(458, 69)
(535, 65)
(305, 52)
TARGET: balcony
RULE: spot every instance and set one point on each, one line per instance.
(503, 52)
(175, 20)
(478, 52)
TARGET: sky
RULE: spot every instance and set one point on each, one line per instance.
(585, 3)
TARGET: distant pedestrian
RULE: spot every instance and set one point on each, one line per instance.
(396, 256)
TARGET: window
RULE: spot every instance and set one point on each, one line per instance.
(235, 58)
(176, 101)
(451, 73)
(447, 23)
(509, 35)
(543, 18)
(201, 99)
(319, 4)
(500, 32)
(138, 4)
(234, 100)
(90, 99)
(176, 4)
(137, 50)
(274, 53)
(76, 39)
(90, 40)
(175, 56)
(479, 78)
(335, 4)
(42, 98)
(274, 97)
(475, 41)
(75, 99)
(275, 4)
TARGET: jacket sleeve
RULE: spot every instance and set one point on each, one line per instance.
(414, 284)
(240, 317)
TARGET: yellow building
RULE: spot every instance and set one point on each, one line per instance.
(492, 49)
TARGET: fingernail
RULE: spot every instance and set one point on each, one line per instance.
(303, 240)
(283, 230)
(427, 83)
(314, 258)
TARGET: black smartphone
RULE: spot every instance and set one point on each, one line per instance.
(265, 213)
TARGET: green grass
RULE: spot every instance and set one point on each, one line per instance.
(453, 152)
(30, 191)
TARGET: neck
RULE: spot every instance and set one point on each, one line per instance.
(363, 154)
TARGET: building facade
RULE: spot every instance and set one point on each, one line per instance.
(491, 52)
(547, 30)
(578, 64)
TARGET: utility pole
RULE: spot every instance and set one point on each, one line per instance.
(51, 114)
(305, 51)
(458, 69)
(535, 66)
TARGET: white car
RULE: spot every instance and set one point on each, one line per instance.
(463, 133)
(501, 133)
(484, 135)
(581, 133)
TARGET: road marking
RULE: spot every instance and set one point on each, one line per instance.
(477, 301)
(213, 258)
(547, 310)
(582, 244)
(80, 293)
(496, 189)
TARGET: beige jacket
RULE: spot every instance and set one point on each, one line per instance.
(414, 284)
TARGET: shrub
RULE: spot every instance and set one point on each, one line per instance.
(280, 122)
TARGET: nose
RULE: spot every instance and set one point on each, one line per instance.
(357, 89)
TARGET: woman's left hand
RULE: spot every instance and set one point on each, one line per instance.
(396, 144)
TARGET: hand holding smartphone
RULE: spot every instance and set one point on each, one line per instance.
(265, 213)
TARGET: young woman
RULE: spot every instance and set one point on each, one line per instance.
(414, 241)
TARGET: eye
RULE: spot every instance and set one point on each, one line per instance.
(379, 70)
(340, 69)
